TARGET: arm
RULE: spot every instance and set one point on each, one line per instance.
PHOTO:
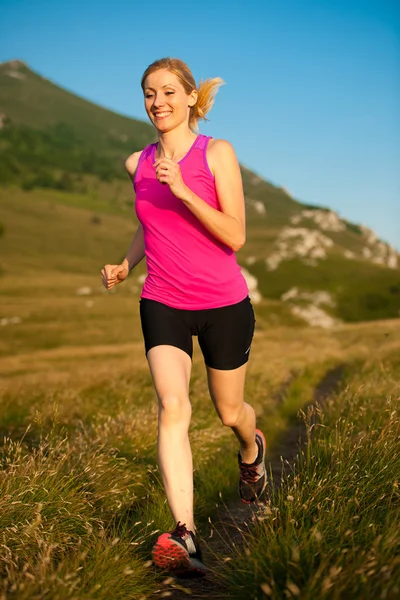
(113, 274)
(228, 224)
(136, 251)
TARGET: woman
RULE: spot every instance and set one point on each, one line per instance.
(191, 210)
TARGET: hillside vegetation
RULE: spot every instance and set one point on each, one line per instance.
(62, 155)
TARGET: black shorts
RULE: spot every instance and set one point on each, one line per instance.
(225, 334)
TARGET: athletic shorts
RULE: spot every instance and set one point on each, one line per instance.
(225, 334)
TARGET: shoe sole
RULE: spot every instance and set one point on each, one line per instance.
(170, 555)
(260, 433)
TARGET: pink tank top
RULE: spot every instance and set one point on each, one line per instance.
(187, 266)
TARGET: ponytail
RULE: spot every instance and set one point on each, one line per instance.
(207, 90)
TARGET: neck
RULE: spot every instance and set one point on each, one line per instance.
(175, 143)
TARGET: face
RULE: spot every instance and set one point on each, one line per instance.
(166, 102)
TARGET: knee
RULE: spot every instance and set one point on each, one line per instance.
(229, 418)
(174, 409)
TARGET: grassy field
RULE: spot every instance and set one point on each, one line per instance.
(80, 495)
(81, 501)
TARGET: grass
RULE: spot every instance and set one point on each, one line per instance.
(81, 500)
(332, 529)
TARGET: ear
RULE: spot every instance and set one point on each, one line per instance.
(193, 98)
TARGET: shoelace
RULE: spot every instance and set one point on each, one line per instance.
(180, 529)
(249, 473)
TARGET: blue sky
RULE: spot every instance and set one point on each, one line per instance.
(312, 94)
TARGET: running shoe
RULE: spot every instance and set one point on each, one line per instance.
(179, 552)
(253, 478)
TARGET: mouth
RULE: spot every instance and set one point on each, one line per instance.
(161, 115)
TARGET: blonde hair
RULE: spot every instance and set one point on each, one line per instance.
(206, 89)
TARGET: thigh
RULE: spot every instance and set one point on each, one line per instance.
(163, 325)
(170, 368)
(226, 339)
(227, 389)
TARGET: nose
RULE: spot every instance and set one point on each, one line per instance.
(158, 101)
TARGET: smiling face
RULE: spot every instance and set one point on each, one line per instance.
(166, 101)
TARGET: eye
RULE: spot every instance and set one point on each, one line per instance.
(148, 95)
(169, 93)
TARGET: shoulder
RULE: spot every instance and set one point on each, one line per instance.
(220, 153)
(131, 163)
(219, 147)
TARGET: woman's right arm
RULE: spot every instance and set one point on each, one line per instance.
(113, 274)
(136, 251)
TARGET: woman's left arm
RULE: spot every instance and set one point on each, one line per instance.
(228, 224)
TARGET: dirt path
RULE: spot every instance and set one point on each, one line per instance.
(229, 528)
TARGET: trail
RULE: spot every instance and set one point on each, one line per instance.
(232, 522)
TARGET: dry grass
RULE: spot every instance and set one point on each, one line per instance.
(332, 529)
(80, 497)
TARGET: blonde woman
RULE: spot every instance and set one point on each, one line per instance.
(191, 212)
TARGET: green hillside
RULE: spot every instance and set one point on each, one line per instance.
(66, 200)
(29, 99)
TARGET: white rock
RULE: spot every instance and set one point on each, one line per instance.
(349, 254)
(314, 316)
(273, 260)
(255, 296)
(294, 242)
(255, 180)
(327, 220)
(318, 252)
(290, 294)
(286, 191)
(321, 297)
(317, 298)
(259, 207)
(84, 291)
(250, 260)
(10, 321)
(16, 74)
(392, 260)
(142, 278)
(252, 284)
(369, 235)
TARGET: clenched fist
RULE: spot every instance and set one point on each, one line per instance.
(113, 274)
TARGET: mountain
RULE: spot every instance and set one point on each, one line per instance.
(303, 260)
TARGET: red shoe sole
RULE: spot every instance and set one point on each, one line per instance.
(170, 555)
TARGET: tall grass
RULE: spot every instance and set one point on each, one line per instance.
(81, 501)
(58, 507)
(332, 529)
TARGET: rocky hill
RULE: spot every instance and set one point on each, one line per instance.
(306, 260)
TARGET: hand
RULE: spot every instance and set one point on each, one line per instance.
(169, 172)
(113, 274)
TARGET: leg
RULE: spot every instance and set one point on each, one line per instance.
(170, 368)
(227, 393)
